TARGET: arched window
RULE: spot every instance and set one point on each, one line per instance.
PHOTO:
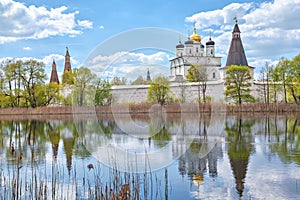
(190, 51)
(214, 75)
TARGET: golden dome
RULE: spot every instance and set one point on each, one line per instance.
(195, 37)
(198, 179)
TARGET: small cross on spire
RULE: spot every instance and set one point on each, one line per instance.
(236, 20)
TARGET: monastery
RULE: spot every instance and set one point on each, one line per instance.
(191, 52)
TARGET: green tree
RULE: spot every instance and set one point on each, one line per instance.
(51, 92)
(84, 85)
(276, 87)
(12, 82)
(238, 84)
(33, 78)
(159, 90)
(103, 93)
(283, 68)
(68, 78)
(198, 73)
(293, 79)
(119, 81)
(139, 81)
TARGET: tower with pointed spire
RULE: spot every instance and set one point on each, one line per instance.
(236, 54)
(54, 76)
(67, 61)
(148, 76)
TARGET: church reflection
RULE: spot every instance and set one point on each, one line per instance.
(194, 164)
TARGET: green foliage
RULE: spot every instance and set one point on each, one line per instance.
(238, 84)
(103, 93)
(139, 81)
(68, 78)
(84, 87)
(159, 90)
(33, 80)
(198, 73)
(287, 73)
(119, 81)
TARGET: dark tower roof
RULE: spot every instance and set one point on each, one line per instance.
(148, 76)
(67, 61)
(236, 54)
(179, 45)
(54, 76)
(210, 42)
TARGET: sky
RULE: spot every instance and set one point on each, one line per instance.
(43, 29)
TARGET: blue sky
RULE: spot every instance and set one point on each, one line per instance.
(42, 29)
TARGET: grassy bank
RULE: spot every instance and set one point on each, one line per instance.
(69, 111)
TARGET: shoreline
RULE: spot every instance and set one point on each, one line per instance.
(147, 108)
(68, 113)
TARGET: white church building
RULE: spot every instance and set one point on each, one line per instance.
(193, 52)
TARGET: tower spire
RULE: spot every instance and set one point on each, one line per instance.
(67, 61)
(236, 54)
(148, 76)
(54, 76)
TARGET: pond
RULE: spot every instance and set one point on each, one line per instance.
(146, 157)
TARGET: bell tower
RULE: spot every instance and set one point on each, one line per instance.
(67, 61)
(54, 77)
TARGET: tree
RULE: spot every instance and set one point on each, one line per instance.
(68, 78)
(198, 73)
(275, 77)
(103, 93)
(12, 82)
(84, 85)
(238, 84)
(294, 78)
(283, 69)
(158, 91)
(139, 81)
(33, 77)
(266, 79)
(51, 92)
(119, 81)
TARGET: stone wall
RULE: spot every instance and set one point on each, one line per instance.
(138, 93)
(215, 91)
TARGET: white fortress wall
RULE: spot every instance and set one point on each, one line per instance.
(138, 93)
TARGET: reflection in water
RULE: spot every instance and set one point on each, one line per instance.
(240, 147)
(258, 158)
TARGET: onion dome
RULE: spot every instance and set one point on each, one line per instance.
(210, 42)
(189, 41)
(202, 46)
(179, 45)
(195, 37)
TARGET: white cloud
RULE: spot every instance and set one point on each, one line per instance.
(31, 22)
(129, 64)
(270, 30)
(85, 24)
(101, 27)
(27, 48)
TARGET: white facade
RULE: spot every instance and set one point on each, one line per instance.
(193, 52)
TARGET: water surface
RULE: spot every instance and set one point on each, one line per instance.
(250, 157)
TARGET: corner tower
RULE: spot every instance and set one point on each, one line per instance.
(54, 76)
(67, 61)
(236, 54)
